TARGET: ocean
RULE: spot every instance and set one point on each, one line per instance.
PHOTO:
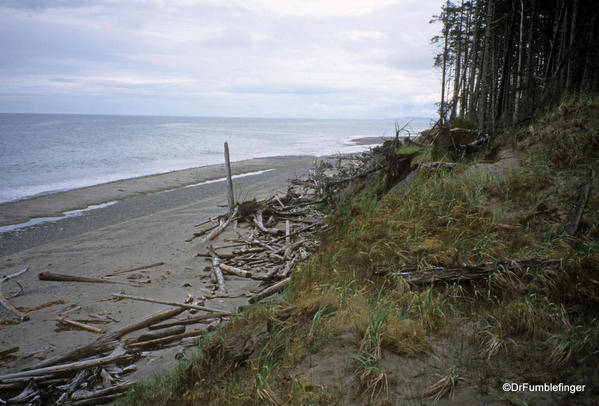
(48, 153)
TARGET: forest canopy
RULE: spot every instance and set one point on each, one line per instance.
(503, 59)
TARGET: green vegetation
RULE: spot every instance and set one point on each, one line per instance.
(350, 329)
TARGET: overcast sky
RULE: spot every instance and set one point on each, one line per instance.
(242, 58)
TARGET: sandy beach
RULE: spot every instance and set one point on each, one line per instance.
(150, 224)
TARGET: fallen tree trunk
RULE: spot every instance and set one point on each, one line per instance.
(117, 354)
(167, 339)
(470, 273)
(57, 277)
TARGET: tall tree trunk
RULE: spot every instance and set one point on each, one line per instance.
(505, 70)
(571, 48)
(519, 73)
(458, 61)
(483, 98)
(443, 74)
(474, 79)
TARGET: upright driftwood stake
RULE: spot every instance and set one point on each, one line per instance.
(230, 195)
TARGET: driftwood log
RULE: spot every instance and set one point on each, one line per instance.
(217, 272)
(470, 273)
(58, 277)
(169, 331)
(108, 342)
(182, 305)
(4, 301)
(271, 290)
(191, 320)
(118, 353)
(81, 325)
(221, 227)
(230, 194)
(139, 268)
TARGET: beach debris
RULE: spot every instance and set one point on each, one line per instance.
(166, 302)
(80, 325)
(163, 332)
(218, 274)
(271, 290)
(57, 277)
(230, 195)
(469, 273)
(4, 301)
(139, 268)
(204, 318)
(8, 354)
(221, 227)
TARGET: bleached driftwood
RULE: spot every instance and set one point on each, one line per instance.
(118, 353)
(260, 224)
(235, 271)
(183, 305)
(191, 320)
(167, 339)
(57, 277)
(4, 301)
(72, 387)
(230, 195)
(218, 273)
(222, 227)
(161, 333)
(139, 268)
(89, 395)
(108, 342)
(271, 290)
(81, 325)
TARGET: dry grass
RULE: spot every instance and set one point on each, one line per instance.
(443, 387)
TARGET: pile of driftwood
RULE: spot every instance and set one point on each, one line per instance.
(95, 373)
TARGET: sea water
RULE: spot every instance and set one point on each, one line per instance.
(47, 153)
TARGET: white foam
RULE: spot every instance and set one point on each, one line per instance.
(241, 175)
(66, 214)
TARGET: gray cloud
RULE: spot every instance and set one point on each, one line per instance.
(45, 4)
(258, 57)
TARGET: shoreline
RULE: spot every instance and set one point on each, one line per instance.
(56, 205)
(8, 206)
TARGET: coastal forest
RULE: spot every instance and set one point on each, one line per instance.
(503, 60)
(458, 267)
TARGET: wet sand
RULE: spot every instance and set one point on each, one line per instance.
(149, 224)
